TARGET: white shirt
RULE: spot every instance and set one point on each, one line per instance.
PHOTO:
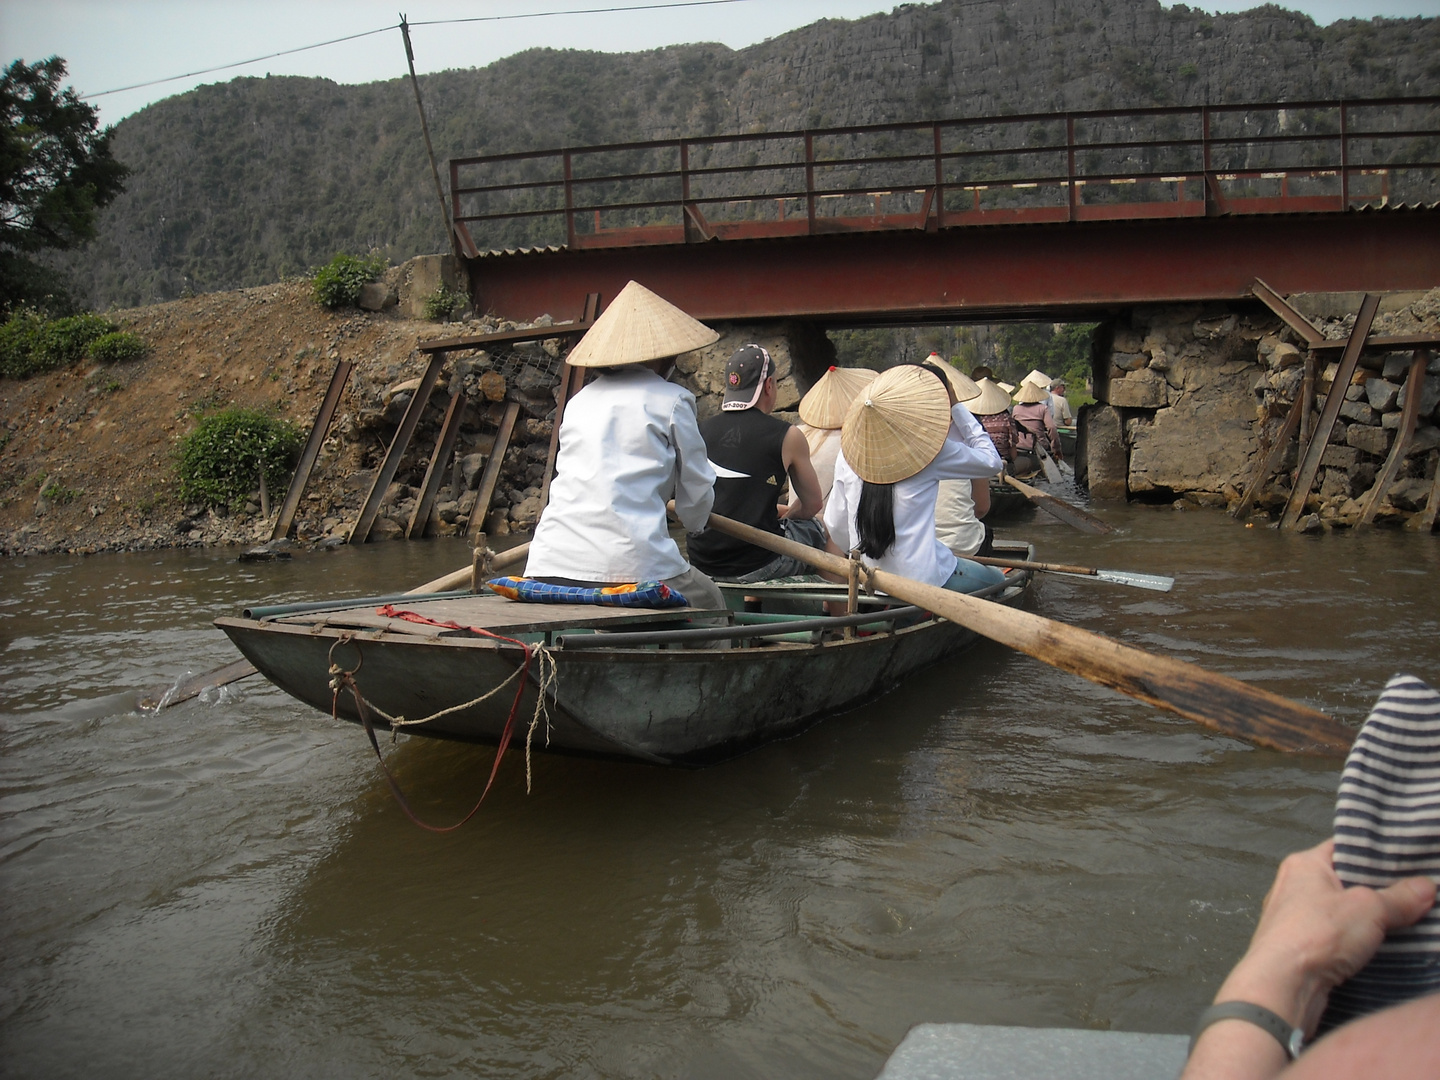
(1060, 410)
(967, 454)
(824, 446)
(629, 441)
(956, 525)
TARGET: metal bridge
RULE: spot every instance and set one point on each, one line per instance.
(1033, 216)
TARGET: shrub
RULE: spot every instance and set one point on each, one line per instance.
(31, 343)
(117, 347)
(442, 303)
(220, 461)
(338, 282)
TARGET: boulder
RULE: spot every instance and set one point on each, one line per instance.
(1127, 361)
(1339, 457)
(1423, 441)
(1204, 440)
(1381, 394)
(1285, 355)
(1140, 390)
(533, 382)
(1397, 365)
(492, 386)
(497, 522)
(525, 513)
(1106, 460)
(386, 529)
(1410, 493)
(1214, 327)
(1429, 396)
(1359, 412)
(471, 466)
(377, 296)
(1372, 440)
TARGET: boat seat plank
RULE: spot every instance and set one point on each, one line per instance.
(496, 614)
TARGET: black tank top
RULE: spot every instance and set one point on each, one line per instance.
(745, 446)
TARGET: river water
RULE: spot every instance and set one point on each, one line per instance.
(226, 888)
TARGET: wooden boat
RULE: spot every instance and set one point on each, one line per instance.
(679, 687)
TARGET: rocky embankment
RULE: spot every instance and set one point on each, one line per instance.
(88, 455)
(1190, 394)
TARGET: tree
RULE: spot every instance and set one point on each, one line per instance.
(56, 172)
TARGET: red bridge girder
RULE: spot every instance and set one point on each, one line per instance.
(1068, 270)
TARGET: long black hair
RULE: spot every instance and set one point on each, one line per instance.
(875, 513)
(875, 518)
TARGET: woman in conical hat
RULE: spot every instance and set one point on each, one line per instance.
(822, 411)
(992, 409)
(628, 442)
(901, 437)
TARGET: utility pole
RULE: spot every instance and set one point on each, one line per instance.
(429, 149)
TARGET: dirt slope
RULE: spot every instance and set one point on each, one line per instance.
(106, 435)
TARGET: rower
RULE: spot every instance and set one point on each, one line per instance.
(752, 454)
(628, 442)
(961, 505)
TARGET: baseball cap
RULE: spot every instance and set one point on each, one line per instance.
(745, 377)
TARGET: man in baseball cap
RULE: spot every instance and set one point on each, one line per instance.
(753, 454)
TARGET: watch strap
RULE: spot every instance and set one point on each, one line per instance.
(1291, 1039)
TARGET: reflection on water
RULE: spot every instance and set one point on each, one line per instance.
(226, 888)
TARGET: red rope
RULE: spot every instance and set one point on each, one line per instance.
(346, 680)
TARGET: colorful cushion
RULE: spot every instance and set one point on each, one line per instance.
(651, 594)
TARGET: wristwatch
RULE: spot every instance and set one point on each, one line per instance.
(1292, 1039)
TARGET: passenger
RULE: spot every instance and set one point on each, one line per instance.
(1034, 424)
(1060, 405)
(900, 439)
(752, 453)
(992, 409)
(961, 505)
(628, 442)
(822, 411)
(981, 373)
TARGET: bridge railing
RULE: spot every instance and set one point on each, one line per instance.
(1183, 161)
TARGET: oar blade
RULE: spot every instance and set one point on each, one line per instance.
(1052, 471)
(165, 696)
(1070, 515)
(1155, 582)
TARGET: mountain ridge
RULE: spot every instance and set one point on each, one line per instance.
(253, 180)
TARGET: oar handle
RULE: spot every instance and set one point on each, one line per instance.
(460, 579)
(1024, 564)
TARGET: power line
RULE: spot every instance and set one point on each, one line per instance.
(396, 26)
(241, 63)
(580, 11)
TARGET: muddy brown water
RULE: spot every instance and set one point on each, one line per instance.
(226, 889)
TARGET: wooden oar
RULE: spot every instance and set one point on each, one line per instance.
(1155, 582)
(1058, 508)
(1052, 471)
(1217, 701)
(164, 696)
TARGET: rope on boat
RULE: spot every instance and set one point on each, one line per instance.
(343, 679)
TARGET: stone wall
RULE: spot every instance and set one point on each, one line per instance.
(1187, 395)
(528, 375)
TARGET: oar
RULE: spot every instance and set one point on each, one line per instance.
(1052, 471)
(1217, 701)
(164, 696)
(1058, 508)
(1115, 577)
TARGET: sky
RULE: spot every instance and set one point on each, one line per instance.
(111, 44)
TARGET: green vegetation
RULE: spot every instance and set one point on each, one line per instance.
(57, 492)
(442, 303)
(1060, 350)
(220, 461)
(30, 343)
(338, 282)
(56, 172)
(117, 347)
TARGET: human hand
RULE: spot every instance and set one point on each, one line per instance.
(1314, 933)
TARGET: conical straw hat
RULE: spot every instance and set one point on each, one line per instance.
(826, 403)
(966, 389)
(1029, 393)
(896, 425)
(991, 400)
(637, 327)
(1039, 378)
(1005, 386)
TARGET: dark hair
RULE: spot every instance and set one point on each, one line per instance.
(981, 372)
(875, 519)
